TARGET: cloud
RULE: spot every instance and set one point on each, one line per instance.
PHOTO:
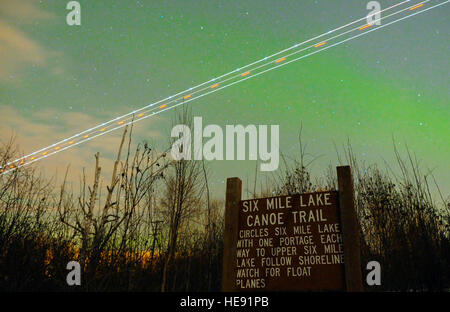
(18, 50)
(25, 10)
(37, 131)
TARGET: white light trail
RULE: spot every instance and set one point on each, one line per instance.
(189, 94)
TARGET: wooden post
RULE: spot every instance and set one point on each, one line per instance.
(233, 196)
(350, 230)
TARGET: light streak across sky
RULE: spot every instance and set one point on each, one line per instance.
(238, 75)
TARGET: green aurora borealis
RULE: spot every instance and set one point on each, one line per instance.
(392, 83)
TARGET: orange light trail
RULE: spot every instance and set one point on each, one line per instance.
(416, 7)
(320, 44)
(365, 26)
(254, 72)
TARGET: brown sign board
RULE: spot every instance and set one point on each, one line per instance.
(290, 243)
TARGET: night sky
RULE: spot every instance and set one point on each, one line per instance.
(56, 80)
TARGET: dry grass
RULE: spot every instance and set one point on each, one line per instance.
(123, 232)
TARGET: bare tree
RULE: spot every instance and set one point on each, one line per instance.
(182, 197)
(120, 217)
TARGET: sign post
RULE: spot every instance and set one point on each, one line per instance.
(233, 196)
(350, 230)
(297, 242)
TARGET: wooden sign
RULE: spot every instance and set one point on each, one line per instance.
(292, 243)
